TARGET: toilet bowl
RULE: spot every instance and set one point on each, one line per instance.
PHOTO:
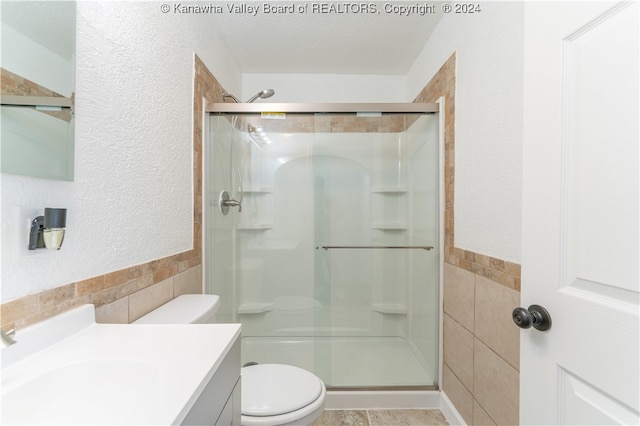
(277, 394)
(271, 394)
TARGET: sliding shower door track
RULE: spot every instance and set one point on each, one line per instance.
(336, 108)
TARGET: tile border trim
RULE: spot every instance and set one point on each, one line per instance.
(443, 84)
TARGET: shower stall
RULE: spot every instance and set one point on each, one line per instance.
(322, 237)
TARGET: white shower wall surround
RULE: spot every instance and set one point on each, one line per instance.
(304, 305)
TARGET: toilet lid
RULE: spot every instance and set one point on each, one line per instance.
(274, 389)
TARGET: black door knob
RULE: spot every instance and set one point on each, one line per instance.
(536, 316)
(521, 317)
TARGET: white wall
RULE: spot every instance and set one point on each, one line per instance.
(311, 88)
(132, 198)
(489, 84)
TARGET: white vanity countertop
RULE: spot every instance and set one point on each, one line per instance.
(70, 370)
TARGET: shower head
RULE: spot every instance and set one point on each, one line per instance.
(264, 94)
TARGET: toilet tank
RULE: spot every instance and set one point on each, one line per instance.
(184, 309)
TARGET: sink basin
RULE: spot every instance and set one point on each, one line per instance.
(70, 370)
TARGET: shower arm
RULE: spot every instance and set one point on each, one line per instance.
(263, 94)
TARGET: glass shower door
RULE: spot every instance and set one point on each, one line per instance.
(375, 264)
(328, 266)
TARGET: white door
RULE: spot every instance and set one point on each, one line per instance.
(580, 213)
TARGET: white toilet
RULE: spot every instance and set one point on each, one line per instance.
(272, 394)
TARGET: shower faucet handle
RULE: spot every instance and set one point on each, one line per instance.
(233, 203)
(225, 201)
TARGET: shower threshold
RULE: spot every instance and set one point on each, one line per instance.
(347, 363)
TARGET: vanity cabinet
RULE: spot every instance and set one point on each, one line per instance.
(76, 371)
(219, 402)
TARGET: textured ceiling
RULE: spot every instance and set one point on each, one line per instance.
(306, 37)
(337, 41)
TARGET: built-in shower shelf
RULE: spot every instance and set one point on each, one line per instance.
(389, 308)
(389, 190)
(275, 245)
(258, 190)
(254, 308)
(254, 226)
(389, 226)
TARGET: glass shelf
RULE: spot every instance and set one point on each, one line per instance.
(258, 190)
(390, 308)
(389, 190)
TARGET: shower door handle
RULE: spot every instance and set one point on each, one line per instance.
(536, 316)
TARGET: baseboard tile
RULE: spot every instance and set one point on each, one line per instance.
(449, 411)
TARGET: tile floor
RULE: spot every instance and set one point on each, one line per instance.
(381, 418)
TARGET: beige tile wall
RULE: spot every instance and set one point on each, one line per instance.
(117, 300)
(481, 348)
(124, 295)
(128, 309)
(481, 344)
